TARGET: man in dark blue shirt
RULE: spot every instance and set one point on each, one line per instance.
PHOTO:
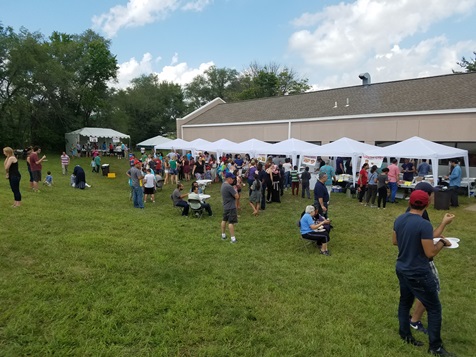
(321, 196)
(414, 237)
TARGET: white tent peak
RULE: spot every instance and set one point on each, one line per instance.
(100, 133)
(345, 147)
(155, 141)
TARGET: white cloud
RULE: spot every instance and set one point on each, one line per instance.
(197, 5)
(373, 36)
(182, 73)
(179, 73)
(141, 12)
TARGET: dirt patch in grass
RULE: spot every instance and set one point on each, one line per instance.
(471, 208)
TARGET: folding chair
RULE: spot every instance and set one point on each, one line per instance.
(307, 244)
(196, 207)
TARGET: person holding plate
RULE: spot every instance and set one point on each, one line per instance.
(418, 308)
(414, 237)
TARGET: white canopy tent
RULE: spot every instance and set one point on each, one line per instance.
(346, 147)
(220, 146)
(197, 145)
(90, 134)
(419, 148)
(155, 142)
(292, 147)
(253, 147)
(176, 144)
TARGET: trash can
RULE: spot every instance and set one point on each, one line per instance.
(105, 169)
(442, 199)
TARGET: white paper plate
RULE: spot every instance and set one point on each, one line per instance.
(452, 239)
(454, 243)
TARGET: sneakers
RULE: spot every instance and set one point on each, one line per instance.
(418, 326)
(326, 253)
(440, 352)
(224, 238)
(411, 341)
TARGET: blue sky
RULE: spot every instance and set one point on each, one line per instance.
(328, 42)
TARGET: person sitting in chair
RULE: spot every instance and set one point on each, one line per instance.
(195, 184)
(194, 195)
(312, 230)
(177, 197)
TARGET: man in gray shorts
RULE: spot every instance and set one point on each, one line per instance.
(229, 196)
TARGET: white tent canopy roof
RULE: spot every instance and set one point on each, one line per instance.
(344, 147)
(99, 132)
(198, 144)
(176, 144)
(220, 146)
(418, 148)
(156, 141)
(292, 146)
(253, 146)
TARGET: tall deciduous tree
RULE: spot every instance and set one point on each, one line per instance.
(214, 83)
(150, 106)
(55, 85)
(270, 80)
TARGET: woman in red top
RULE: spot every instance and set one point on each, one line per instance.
(363, 181)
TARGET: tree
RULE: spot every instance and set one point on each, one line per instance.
(214, 83)
(270, 80)
(51, 86)
(149, 106)
(468, 65)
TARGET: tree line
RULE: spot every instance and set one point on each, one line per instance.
(53, 85)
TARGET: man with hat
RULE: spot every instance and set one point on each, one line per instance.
(136, 175)
(414, 237)
(230, 215)
(419, 308)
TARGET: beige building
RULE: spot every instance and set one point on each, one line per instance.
(441, 109)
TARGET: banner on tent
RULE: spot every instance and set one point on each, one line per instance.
(115, 139)
(309, 160)
(93, 139)
(372, 160)
(261, 157)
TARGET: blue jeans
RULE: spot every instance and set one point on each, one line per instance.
(424, 288)
(138, 197)
(393, 190)
(287, 179)
(185, 206)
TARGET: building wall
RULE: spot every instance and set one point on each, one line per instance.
(435, 127)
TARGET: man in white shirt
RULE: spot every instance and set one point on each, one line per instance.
(194, 195)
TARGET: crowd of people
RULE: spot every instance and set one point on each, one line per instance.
(89, 148)
(267, 181)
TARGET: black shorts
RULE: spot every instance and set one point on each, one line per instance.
(148, 190)
(36, 175)
(230, 216)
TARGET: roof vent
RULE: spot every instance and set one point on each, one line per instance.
(365, 77)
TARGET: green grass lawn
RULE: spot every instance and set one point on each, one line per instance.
(83, 273)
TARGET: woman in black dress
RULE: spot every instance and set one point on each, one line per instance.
(13, 175)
